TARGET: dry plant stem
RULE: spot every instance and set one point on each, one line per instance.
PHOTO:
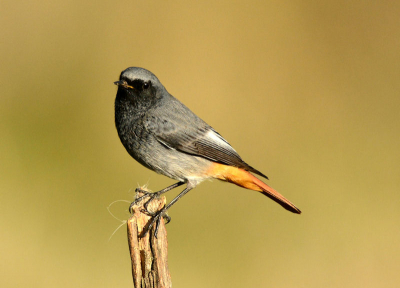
(148, 254)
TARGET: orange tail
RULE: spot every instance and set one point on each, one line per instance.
(244, 179)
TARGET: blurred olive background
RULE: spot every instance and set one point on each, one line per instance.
(306, 91)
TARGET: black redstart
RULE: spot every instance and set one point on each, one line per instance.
(165, 136)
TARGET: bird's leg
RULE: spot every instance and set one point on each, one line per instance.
(152, 195)
(162, 213)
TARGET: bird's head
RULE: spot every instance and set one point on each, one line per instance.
(139, 86)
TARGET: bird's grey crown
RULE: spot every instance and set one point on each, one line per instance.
(133, 73)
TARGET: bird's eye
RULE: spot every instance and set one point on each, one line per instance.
(146, 85)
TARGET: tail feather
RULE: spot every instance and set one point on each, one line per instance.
(276, 196)
(245, 179)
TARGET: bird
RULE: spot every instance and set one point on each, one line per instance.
(165, 136)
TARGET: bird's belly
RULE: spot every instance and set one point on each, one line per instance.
(169, 162)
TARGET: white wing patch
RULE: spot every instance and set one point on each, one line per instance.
(213, 136)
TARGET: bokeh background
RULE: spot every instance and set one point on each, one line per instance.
(306, 91)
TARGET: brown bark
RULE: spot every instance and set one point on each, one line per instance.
(148, 254)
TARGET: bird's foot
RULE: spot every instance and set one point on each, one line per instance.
(151, 195)
(156, 219)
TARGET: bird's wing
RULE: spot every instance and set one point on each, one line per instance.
(193, 136)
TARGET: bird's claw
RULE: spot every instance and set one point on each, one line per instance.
(145, 205)
(167, 218)
(145, 194)
(156, 220)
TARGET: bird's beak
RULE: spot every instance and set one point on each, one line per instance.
(123, 84)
